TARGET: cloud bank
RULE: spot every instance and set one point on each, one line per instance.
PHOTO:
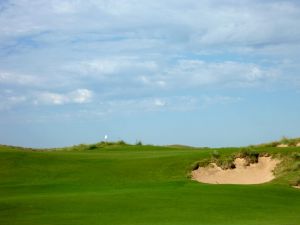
(73, 52)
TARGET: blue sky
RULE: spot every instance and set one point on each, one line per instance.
(195, 72)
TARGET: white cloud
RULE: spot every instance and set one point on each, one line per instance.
(181, 74)
(52, 98)
(218, 99)
(228, 73)
(106, 108)
(103, 67)
(78, 96)
(152, 80)
(67, 7)
(81, 96)
(9, 101)
(159, 103)
(132, 48)
(196, 73)
(190, 22)
(146, 104)
(19, 79)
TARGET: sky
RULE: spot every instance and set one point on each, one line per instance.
(195, 72)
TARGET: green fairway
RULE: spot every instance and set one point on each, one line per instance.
(135, 185)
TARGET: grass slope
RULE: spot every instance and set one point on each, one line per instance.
(135, 185)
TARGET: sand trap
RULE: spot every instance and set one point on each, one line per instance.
(298, 187)
(256, 173)
(282, 146)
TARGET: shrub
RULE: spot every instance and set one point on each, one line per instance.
(295, 182)
(195, 166)
(215, 154)
(264, 154)
(296, 166)
(296, 155)
(92, 147)
(285, 140)
(80, 147)
(109, 143)
(121, 142)
(139, 143)
(249, 155)
(273, 144)
(226, 164)
(202, 163)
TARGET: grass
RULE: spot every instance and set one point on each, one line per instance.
(121, 184)
(291, 142)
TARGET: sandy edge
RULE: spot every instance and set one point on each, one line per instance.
(256, 173)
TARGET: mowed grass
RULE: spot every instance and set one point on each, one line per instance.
(133, 185)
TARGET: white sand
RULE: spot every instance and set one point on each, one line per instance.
(282, 146)
(256, 173)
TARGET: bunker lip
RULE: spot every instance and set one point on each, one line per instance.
(256, 173)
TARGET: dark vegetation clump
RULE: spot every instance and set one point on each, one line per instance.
(227, 161)
(99, 145)
(249, 155)
(296, 156)
(92, 147)
(223, 162)
(195, 166)
(295, 182)
(80, 147)
(110, 143)
(215, 155)
(201, 163)
(139, 143)
(106, 143)
(295, 166)
(293, 163)
(121, 142)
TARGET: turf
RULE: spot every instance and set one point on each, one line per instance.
(134, 185)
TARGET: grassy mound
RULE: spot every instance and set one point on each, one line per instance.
(121, 184)
(284, 142)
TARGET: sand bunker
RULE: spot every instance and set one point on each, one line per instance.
(282, 146)
(256, 173)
